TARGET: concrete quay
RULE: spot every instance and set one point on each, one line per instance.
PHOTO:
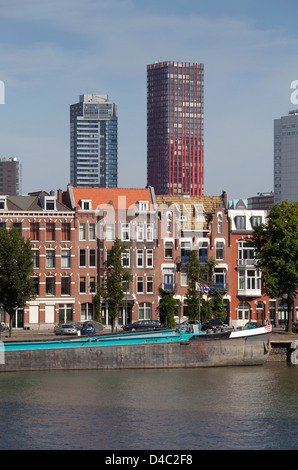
(284, 345)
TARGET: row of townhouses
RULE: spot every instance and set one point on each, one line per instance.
(72, 232)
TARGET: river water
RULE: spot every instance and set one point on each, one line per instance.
(215, 408)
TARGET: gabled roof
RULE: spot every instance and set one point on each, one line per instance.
(198, 209)
(31, 202)
(116, 197)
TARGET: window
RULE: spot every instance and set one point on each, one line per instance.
(140, 284)
(110, 232)
(86, 205)
(169, 250)
(184, 279)
(149, 258)
(240, 222)
(126, 258)
(50, 204)
(169, 222)
(256, 220)
(17, 226)
(149, 234)
(50, 285)
(143, 206)
(86, 312)
(140, 232)
(140, 258)
(246, 254)
(65, 231)
(219, 223)
(82, 259)
(50, 258)
(125, 234)
(36, 284)
(65, 285)
(65, 313)
(149, 283)
(249, 279)
(82, 284)
(92, 232)
(219, 250)
(185, 252)
(145, 311)
(92, 285)
(220, 278)
(34, 231)
(82, 231)
(2, 225)
(50, 231)
(35, 254)
(65, 258)
(92, 258)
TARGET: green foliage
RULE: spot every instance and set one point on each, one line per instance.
(16, 268)
(113, 291)
(276, 245)
(168, 307)
(194, 273)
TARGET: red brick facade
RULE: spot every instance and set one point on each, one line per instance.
(71, 235)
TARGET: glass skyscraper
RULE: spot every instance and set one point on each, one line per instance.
(175, 112)
(286, 158)
(94, 142)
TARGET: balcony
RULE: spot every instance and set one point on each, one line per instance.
(246, 262)
(169, 287)
(249, 292)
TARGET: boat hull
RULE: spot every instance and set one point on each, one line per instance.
(196, 351)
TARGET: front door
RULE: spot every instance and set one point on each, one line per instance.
(18, 319)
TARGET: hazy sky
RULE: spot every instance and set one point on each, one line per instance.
(51, 51)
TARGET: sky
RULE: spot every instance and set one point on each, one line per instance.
(51, 52)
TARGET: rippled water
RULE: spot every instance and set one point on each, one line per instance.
(216, 408)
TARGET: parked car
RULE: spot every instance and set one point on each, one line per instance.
(213, 325)
(88, 329)
(65, 329)
(143, 325)
(295, 327)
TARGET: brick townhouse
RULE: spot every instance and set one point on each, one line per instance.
(128, 214)
(50, 225)
(72, 233)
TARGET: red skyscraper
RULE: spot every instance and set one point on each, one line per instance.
(175, 146)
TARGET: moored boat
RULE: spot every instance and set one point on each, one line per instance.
(154, 349)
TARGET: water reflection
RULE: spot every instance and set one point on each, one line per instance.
(224, 408)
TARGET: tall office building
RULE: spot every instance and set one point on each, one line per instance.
(175, 146)
(10, 177)
(94, 142)
(286, 158)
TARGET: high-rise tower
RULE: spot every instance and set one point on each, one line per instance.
(175, 112)
(94, 142)
(286, 158)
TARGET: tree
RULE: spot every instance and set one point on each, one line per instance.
(16, 268)
(168, 307)
(194, 274)
(115, 277)
(276, 251)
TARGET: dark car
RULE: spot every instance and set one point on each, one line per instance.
(295, 328)
(143, 325)
(88, 329)
(212, 325)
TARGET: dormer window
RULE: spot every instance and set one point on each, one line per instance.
(48, 203)
(86, 205)
(3, 204)
(143, 206)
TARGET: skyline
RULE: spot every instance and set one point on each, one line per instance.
(53, 52)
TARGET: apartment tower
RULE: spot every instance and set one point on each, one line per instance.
(286, 158)
(94, 142)
(175, 145)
